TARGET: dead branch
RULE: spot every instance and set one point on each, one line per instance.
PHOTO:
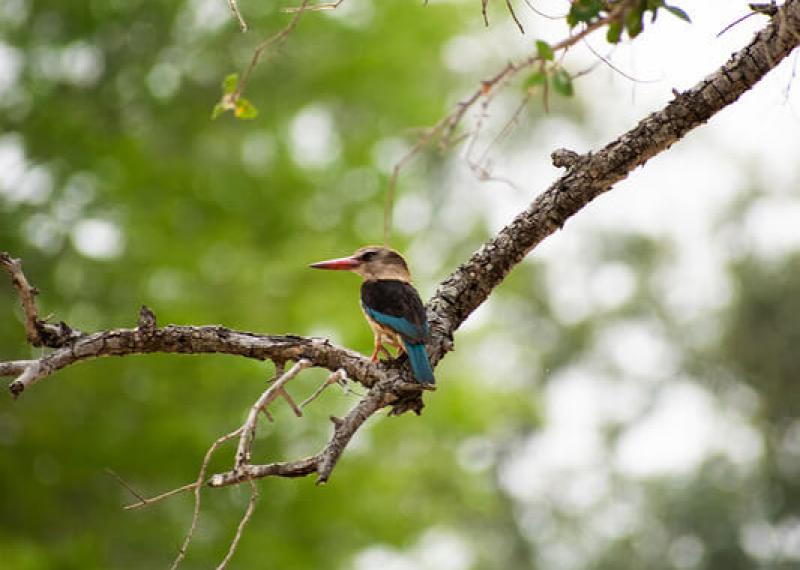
(248, 514)
(127, 485)
(458, 295)
(587, 176)
(273, 41)
(198, 485)
(38, 332)
(191, 340)
(592, 174)
(338, 377)
(313, 7)
(234, 7)
(243, 452)
(143, 502)
(445, 129)
(322, 463)
(510, 9)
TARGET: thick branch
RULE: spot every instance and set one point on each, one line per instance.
(461, 293)
(193, 340)
(593, 174)
(345, 428)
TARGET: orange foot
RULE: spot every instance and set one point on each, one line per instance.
(378, 349)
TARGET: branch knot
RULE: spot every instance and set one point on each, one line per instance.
(147, 321)
(565, 158)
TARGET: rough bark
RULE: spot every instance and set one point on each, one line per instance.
(195, 340)
(458, 295)
(592, 174)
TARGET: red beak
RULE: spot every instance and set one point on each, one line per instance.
(340, 263)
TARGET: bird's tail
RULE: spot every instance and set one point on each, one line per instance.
(420, 365)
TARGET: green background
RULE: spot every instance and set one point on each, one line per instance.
(219, 220)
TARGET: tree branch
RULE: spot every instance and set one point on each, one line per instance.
(590, 175)
(192, 340)
(457, 297)
(322, 463)
(248, 514)
(243, 452)
(38, 332)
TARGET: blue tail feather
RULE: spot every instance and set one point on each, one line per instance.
(420, 364)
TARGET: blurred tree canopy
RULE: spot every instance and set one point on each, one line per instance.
(118, 190)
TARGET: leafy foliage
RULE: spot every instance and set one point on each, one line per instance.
(627, 15)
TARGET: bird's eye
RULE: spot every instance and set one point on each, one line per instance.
(368, 255)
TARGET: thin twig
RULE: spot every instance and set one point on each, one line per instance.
(338, 376)
(514, 16)
(37, 331)
(446, 126)
(125, 484)
(614, 67)
(313, 7)
(198, 486)
(538, 12)
(292, 404)
(480, 167)
(248, 513)
(788, 90)
(274, 40)
(248, 429)
(26, 294)
(769, 9)
(144, 502)
(483, 115)
(735, 22)
(235, 9)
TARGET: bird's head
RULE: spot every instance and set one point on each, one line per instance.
(371, 262)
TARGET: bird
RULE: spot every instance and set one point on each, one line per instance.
(391, 305)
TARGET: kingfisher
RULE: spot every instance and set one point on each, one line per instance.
(391, 305)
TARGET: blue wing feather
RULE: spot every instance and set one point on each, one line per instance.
(420, 364)
(399, 324)
(395, 305)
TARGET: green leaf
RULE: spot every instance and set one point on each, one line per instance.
(675, 11)
(614, 32)
(534, 79)
(633, 22)
(562, 82)
(230, 83)
(544, 50)
(219, 108)
(583, 11)
(245, 109)
(572, 20)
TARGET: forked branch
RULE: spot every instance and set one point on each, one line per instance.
(38, 331)
(586, 177)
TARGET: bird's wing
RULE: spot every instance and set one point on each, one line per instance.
(396, 304)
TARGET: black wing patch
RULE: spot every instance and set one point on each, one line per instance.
(399, 302)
